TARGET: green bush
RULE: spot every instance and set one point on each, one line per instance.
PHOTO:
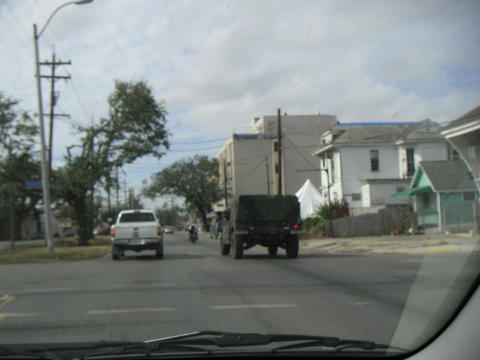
(315, 225)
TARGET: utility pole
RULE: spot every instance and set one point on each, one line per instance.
(53, 101)
(268, 174)
(125, 191)
(11, 205)
(279, 152)
(117, 188)
(92, 159)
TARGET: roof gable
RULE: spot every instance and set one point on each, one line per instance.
(424, 130)
(448, 175)
(420, 179)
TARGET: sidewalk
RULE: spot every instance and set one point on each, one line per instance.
(6, 244)
(413, 244)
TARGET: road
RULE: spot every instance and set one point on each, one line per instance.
(195, 288)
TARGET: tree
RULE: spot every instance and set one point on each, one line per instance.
(194, 179)
(170, 214)
(135, 127)
(17, 164)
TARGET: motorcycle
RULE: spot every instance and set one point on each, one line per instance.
(193, 236)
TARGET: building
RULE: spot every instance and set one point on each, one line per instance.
(464, 135)
(249, 162)
(365, 163)
(445, 196)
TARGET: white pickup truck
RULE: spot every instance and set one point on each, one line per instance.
(136, 230)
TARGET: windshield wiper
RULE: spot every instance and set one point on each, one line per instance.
(58, 351)
(204, 341)
(198, 342)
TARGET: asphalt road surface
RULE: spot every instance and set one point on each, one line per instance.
(195, 288)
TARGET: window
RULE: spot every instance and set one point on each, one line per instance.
(400, 189)
(137, 217)
(374, 160)
(332, 170)
(453, 154)
(469, 195)
(356, 197)
(410, 161)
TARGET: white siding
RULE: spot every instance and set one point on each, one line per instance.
(356, 167)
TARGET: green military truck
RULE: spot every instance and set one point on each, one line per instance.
(272, 221)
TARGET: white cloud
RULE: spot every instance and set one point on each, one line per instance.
(220, 63)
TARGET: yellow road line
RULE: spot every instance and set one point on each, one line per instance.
(433, 251)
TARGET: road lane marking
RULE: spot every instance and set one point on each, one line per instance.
(5, 299)
(252, 306)
(120, 286)
(434, 251)
(7, 315)
(51, 289)
(363, 303)
(127, 311)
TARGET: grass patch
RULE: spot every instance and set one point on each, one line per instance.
(65, 250)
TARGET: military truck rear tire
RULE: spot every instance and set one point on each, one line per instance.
(273, 251)
(237, 247)
(224, 248)
(292, 247)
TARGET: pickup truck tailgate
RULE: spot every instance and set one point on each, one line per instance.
(137, 230)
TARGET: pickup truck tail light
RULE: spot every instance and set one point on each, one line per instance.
(113, 233)
(159, 230)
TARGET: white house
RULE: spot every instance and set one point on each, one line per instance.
(365, 163)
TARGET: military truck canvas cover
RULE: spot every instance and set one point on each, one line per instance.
(267, 208)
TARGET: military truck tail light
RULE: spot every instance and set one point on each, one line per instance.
(113, 233)
(159, 230)
(296, 226)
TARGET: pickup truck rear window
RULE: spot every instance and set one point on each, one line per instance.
(136, 217)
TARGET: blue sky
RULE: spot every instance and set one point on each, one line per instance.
(217, 64)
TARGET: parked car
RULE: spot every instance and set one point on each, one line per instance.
(169, 229)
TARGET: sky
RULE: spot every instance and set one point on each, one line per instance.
(217, 64)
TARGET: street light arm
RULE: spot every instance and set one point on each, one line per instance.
(77, 2)
(51, 17)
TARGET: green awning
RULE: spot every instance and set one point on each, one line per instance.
(413, 191)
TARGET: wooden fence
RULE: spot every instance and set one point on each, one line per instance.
(396, 220)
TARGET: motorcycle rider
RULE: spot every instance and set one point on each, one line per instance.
(192, 230)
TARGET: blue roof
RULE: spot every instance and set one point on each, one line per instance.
(377, 123)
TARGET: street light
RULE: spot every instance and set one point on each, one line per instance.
(44, 166)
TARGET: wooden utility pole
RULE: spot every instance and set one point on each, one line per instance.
(53, 101)
(279, 152)
(117, 189)
(11, 204)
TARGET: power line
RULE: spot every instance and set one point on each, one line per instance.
(255, 168)
(298, 152)
(191, 150)
(200, 142)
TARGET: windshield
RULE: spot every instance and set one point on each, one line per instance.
(136, 217)
(317, 164)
